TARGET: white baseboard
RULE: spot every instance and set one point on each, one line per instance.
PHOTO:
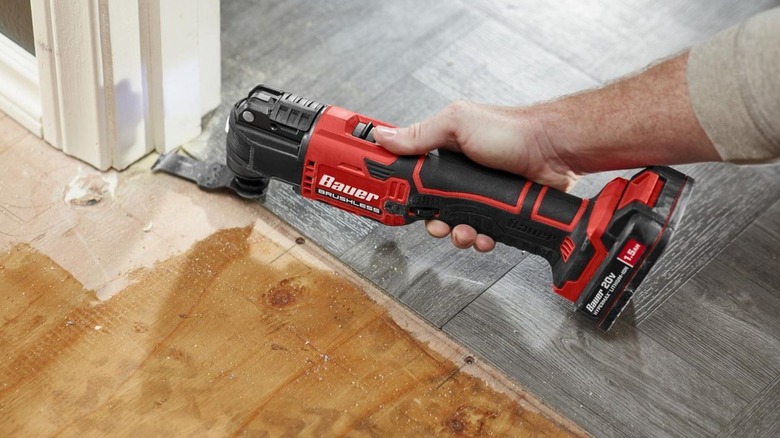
(20, 96)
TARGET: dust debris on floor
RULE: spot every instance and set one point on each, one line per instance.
(89, 189)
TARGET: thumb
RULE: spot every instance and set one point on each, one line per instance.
(419, 138)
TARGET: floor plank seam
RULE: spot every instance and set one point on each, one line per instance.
(564, 393)
(646, 316)
(441, 327)
(726, 431)
(544, 47)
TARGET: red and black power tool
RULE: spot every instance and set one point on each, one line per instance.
(600, 249)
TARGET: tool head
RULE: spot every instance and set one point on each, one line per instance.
(268, 133)
(646, 215)
(267, 136)
(210, 176)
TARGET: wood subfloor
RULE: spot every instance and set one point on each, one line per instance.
(134, 304)
(698, 353)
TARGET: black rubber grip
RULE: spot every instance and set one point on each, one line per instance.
(456, 190)
(559, 206)
(453, 172)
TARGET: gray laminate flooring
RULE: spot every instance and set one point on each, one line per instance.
(697, 353)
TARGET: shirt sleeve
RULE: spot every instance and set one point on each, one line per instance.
(734, 87)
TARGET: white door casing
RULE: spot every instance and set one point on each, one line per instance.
(19, 95)
(120, 78)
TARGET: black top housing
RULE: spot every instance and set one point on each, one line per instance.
(268, 133)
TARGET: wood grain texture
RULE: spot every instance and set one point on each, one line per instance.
(724, 320)
(760, 417)
(726, 199)
(335, 230)
(424, 273)
(497, 65)
(236, 336)
(345, 52)
(623, 383)
(206, 315)
(607, 39)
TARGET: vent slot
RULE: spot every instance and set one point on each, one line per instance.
(379, 170)
(308, 177)
(567, 247)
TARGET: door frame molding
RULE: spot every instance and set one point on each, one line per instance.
(20, 96)
(117, 79)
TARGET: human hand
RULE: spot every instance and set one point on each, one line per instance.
(497, 137)
(644, 119)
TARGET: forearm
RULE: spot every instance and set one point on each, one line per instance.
(735, 92)
(637, 121)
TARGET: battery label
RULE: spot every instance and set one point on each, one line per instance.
(631, 252)
(614, 276)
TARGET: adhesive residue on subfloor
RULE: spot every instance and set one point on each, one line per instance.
(237, 336)
(89, 189)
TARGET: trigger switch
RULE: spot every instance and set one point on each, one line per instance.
(358, 129)
(424, 212)
(364, 131)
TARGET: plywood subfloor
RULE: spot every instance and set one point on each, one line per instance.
(133, 304)
(697, 354)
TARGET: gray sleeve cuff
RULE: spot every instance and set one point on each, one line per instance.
(734, 87)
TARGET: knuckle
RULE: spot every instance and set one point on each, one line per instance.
(455, 115)
(416, 131)
(458, 108)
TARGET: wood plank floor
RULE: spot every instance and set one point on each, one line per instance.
(134, 304)
(698, 353)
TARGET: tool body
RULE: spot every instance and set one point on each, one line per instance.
(599, 249)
